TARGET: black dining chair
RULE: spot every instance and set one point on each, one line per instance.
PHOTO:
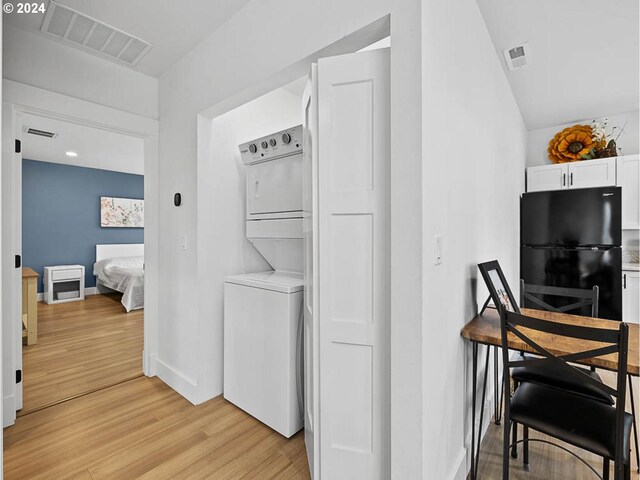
(541, 296)
(577, 419)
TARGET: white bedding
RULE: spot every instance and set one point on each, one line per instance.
(126, 275)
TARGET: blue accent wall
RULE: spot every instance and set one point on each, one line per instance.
(61, 214)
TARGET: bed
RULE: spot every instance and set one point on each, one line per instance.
(120, 267)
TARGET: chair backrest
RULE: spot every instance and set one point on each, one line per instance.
(586, 297)
(530, 330)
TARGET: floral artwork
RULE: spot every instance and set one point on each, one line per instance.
(121, 212)
(584, 142)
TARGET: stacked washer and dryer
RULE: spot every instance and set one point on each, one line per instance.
(263, 311)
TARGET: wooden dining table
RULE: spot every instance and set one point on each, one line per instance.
(484, 329)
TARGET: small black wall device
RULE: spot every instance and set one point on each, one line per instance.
(177, 199)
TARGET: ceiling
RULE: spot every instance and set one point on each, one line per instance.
(584, 56)
(95, 148)
(173, 27)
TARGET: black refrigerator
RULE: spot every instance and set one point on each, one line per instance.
(572, 238)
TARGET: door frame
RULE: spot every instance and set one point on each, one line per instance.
(20, 99)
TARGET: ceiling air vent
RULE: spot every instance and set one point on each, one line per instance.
(82, 31)
(518, 56)
(40, 133)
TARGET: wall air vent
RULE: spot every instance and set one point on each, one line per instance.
(40, 133)
(82, 31)
(517, 57)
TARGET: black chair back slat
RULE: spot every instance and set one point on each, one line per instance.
(557, 362)
(591, 297)
(582, 332)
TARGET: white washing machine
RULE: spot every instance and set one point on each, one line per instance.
(262, 357)
(263, 311)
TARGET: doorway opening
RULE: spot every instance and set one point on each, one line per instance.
(78, 225)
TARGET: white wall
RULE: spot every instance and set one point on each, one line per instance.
(247, 57)
(628, 144)
(39, 62)
(223, 248)
(474, 143)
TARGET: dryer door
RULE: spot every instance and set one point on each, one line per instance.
(275, 187)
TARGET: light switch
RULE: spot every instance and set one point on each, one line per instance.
(438, 250)
(183, 242)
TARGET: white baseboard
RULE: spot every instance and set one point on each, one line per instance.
(8, 410)
(150, 364)
(459, 470)
(178, 381)
(87, 292)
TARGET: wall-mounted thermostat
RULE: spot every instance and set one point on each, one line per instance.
(177, 199)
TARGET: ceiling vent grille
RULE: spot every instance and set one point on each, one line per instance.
(40, 133)
(74, 27)
(517, 57)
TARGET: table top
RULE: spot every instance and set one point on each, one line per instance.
(485, 329)
(28, 272)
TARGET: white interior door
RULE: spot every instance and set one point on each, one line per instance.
(310, 246)
(353, 245)
(17, 272)
(11, 276)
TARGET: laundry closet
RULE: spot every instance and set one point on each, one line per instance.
(298, 252)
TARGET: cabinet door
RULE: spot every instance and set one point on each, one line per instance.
(628, 177)
(547, 177)
(631, 297)
(592, 173)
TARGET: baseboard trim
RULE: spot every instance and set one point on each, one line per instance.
(459, 470)
(178, 381)
(149, 364)
(87, 292)
(8, 410)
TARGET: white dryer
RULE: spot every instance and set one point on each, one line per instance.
(263, 311)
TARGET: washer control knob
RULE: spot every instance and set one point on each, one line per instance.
(264, 144)
(253, 148)
(272, 142)
(286, 138)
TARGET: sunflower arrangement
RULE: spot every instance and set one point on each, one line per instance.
(583, 142)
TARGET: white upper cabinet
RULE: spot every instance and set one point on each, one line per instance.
(629, 179)
(547, 177)
(592, 173)
(583, 174)
(630, 296)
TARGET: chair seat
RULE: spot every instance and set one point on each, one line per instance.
(572, 418)
(546, 374)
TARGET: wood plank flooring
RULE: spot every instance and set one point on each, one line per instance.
(82, 346)
(141, 429)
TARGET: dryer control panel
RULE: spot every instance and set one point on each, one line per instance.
(279, 144)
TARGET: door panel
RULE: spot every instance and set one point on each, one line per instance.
(576, 268)
(354, 158)
(548, 177)
(592, 173)
(628, 177)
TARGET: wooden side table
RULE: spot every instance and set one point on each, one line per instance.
(30, 305)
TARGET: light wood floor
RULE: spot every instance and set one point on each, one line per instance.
(81, 346)
(144, 430)
(547, 462)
